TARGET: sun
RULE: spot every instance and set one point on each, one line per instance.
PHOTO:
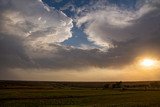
(148, 62)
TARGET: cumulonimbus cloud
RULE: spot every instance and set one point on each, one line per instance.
(36, 23)
(27, 28)
(113, 23)
(30, 36)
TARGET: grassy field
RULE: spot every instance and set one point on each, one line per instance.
(76, 94)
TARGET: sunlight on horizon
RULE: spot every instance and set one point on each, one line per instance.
(147, 62)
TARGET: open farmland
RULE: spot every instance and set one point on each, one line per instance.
(77, 94)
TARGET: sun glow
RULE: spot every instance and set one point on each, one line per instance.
(148, 62)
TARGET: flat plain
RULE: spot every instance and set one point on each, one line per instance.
(79, 94)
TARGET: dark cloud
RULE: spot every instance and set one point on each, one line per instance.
(126, 52)
(12, 53)
(73, 58)
(15, 53)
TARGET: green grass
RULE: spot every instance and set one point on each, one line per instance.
(78, 94)
(78, 98)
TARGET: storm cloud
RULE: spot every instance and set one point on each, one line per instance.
(31, 36)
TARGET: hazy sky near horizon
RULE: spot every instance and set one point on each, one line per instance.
(79, 40)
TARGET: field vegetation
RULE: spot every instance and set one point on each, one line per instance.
(79, 94)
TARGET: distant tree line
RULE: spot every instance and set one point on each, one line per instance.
(121, 85)
(114, 85)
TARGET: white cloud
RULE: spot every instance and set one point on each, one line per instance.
(39, 33)
(111, 23)
(37, 24)
(87, 47)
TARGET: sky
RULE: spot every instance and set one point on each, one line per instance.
(80, 40)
